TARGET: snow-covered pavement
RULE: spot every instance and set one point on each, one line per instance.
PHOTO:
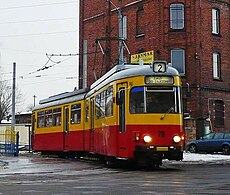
(205, 157)
(191, 158)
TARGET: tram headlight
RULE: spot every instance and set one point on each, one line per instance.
(176, 139)
(147, 139)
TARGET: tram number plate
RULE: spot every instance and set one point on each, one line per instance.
(160, 149)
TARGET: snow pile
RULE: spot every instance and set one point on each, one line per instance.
(191, 157)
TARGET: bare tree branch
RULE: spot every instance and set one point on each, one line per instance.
(6, 99)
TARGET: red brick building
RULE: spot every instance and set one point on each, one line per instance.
(194, 35)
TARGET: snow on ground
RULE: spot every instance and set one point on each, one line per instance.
(205, 157)
(189, 158)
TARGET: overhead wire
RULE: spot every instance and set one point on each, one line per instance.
(26, 51)
(6, 80)
(41, 20)
(46, 66)
(38, 5)
(50, 61)
(49, 56)
(4, 73)
(45, 81)
(32, 83)
(48, 75)
(38, 34)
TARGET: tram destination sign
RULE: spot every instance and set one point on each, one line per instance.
(159, 80)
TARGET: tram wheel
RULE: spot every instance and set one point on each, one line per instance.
(110, 162)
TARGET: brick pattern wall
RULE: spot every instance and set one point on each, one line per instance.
(99, 19)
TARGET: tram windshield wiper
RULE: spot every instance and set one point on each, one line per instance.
(171, 108)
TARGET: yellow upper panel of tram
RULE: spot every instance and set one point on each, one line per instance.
(53, 119)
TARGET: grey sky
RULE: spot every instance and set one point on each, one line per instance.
(30, 29)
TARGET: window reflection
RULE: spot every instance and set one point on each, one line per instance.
(154, 100)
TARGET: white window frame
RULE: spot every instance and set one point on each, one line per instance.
(124, 26)
(178, 25)
(215, 21)
(182, 61)
(216, 65)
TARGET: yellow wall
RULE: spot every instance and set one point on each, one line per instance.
(23, 133)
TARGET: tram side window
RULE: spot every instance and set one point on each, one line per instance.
(48, 118)
(41, 119)
(76, 114)
(100, 105)
(137, 100)
(97, 106)
(104, 103)
(109, 102)
(57, 117)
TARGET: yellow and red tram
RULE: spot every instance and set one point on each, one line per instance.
(133, 112)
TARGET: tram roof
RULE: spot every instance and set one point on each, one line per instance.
(126, 71)
(62, 98)
(118, 72)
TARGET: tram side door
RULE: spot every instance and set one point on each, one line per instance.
(91, 131)
(66, 127)
(121, 98)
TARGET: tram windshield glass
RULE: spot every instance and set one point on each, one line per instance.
(155, 100)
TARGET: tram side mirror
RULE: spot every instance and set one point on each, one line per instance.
(119, 97)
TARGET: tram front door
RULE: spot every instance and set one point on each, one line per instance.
(121, 118)
(91, 131)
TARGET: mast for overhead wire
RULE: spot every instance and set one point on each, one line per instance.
(121, 37)
(13, 97)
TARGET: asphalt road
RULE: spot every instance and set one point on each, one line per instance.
(36, 175)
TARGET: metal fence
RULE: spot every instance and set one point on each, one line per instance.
(9, 140)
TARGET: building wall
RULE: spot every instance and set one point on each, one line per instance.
(23, 132)
(23, 118)
(100, 20)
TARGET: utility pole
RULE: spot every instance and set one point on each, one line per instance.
(34, 99)
(120, 33)
(121, 38)
(13, 97)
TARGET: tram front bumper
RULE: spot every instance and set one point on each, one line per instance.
(159, 152)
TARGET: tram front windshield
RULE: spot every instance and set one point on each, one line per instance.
(155, 100)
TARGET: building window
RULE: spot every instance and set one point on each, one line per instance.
(177, 16)
(124, 27)
(178, 60)
(215, 21)
(140, 22)
(219, 113)
(216, 66)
